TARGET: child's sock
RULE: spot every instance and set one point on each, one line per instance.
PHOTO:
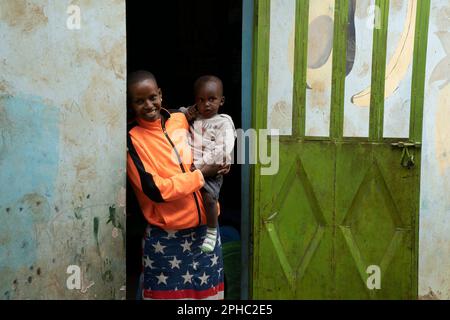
(209, 243)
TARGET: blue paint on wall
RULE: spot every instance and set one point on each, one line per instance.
(247, 67)
(29, 156)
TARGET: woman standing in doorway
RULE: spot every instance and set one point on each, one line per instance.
(159, 166)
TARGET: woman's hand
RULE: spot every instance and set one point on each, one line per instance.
(212, 170)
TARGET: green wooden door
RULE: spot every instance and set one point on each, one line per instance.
(341, 204)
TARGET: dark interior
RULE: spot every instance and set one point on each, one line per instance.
(178, 41)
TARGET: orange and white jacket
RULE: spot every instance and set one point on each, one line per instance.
(158, 166)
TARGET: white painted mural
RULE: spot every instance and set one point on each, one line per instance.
(434, 242)
(320, 58)
(281, 66)
(358, 80)
(399, 62)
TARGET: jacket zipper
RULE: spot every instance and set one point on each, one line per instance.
(182, 168)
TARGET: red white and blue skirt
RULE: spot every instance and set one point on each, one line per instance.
(174, 267)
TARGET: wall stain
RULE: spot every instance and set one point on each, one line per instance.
(4, 87)
(84, 167)
(77, 213)
(442, 130)
(279, 117)
(113, 218)
(23, 14)
(443, 18)
(364, 70)
(362, 9)
(121, 197)
(38, 205)
(96, 226)
(108, 276)
(109, 58)
(441, 71)
(318, 98)
(97, 103)
(5, 133)
(429, 296)
(397, 5)
(313, 131)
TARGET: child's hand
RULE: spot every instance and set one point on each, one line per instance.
(225, 169)
(212, 170)
(192, 112)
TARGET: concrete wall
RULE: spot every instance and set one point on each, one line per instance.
(434, 251)
(62, 149)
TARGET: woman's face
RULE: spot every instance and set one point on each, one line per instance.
(145, 100)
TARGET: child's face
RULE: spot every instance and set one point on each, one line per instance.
(146, 99)
(209, 99)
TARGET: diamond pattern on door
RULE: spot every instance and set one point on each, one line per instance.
(307, 220)
(373, 214)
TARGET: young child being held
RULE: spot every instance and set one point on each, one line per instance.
(212, 140)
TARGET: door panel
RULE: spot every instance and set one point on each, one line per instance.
(296, 224)
(338, 205)
(375, 211)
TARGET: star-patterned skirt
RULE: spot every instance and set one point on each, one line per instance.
(174, 267)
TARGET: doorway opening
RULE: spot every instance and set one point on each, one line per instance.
(178, 41)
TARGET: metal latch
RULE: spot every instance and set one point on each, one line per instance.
(407, 160)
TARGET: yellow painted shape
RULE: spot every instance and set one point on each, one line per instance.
(317, 77)
(401, 59)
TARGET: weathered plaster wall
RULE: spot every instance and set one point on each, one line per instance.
(62, 149)
(434, 243)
